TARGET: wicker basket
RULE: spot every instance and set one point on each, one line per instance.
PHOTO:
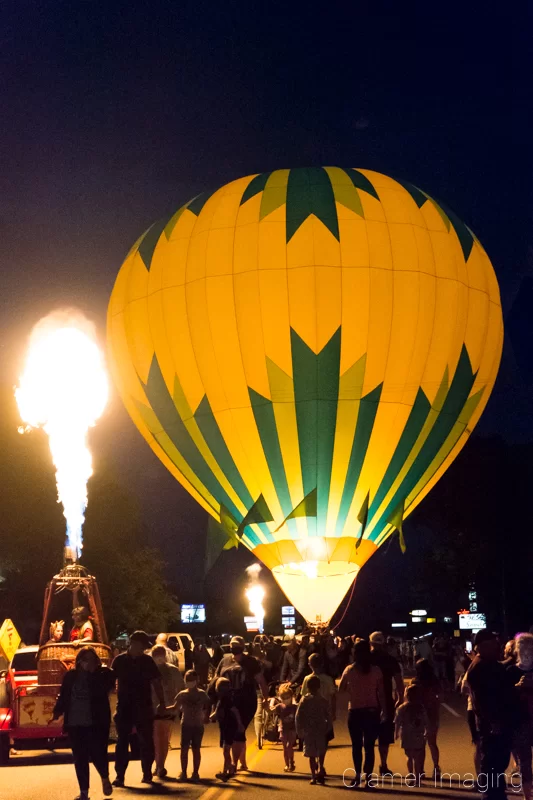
(56, 658)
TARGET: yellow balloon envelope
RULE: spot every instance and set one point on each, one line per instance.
(307, 351)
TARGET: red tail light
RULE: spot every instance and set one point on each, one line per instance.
(6, 715)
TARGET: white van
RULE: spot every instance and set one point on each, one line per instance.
(180, 646)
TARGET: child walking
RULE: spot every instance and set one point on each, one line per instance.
(193, 704)
(285, 709)
(313, 721)
(229, 723)
(172, 682)
(411, 723)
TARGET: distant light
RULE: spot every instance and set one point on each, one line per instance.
(416, 619)
(431, 619)
(464, 611)
(419, 612)
(448, 619)
(399, 625)
(472, 622)
(457, 633)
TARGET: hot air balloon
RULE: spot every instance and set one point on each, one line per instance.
(307, 351)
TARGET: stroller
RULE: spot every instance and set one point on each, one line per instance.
(266, 719)
(266, 726)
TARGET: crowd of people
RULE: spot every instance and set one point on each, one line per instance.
(294, 686)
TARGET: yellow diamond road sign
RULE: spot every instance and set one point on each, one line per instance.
(9, 639)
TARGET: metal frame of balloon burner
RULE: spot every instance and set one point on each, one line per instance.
(76, 579)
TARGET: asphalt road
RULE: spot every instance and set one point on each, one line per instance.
(50, 776)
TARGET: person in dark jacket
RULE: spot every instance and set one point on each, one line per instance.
(495, 703)
(294, 667)
(218, 654)
(83, 703)
(137, 674)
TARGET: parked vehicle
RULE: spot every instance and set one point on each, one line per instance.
(180, 646)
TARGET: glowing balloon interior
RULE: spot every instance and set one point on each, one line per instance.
(64, 390)
(307, 351)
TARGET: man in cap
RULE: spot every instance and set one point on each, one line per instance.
(495, 704)
(392, 681)
(136, 675)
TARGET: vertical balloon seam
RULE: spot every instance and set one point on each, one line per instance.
(305, 399)
(168, 229)
(359, 182)
(172, 221)
(197, 209)
(263, 412)
(416, 196)
(317, 209)
(293, 525)
(369, 442)
(256, 186)
(263, 527)
(328, 367)
(337, 409)
(420, 289)
(363, 433)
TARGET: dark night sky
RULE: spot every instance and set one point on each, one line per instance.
(115, 113)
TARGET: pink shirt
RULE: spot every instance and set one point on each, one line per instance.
(364, 689)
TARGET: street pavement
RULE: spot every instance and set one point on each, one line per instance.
(50, 776)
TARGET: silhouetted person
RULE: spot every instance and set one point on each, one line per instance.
(136, 674)
(83, 703)
(495, 705)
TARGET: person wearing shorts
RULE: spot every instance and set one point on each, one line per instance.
(172, 682)
(193, 704)
(230, 725)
